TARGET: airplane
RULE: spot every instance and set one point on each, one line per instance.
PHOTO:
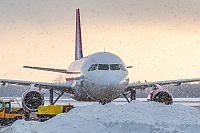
(100, 77)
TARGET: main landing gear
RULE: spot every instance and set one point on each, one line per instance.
(132, 95)
(51, 91)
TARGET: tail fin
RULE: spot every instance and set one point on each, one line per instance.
(78, 44)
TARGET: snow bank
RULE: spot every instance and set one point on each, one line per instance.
(139, 117)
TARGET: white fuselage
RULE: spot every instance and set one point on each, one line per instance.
(103, 77)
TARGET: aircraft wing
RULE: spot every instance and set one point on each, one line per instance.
(55, 86)
(144, 85)
(51, 69)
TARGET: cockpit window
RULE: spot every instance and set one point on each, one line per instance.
(114, 67)
(91, 67)
(106, 67)
(94, 67)
(103, 67)
(122, 67)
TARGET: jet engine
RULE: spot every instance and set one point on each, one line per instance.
(32, 99)
(160, 95)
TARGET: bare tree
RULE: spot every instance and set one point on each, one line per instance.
(59, 79)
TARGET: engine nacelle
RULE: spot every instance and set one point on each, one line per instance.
(161, 95)
(32, 99)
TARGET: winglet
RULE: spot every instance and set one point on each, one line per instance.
(78, 44)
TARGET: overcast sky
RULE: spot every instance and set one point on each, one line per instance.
(160, 38)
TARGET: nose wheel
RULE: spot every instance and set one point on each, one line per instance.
(104, 102)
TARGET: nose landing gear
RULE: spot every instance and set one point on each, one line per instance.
(104, 102)
(132, 95)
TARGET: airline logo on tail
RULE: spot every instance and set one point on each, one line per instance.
(78, 43)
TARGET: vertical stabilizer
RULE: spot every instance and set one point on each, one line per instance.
(78, 43)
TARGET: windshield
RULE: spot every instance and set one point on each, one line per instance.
(94, 67)
(103, 67)
(114, 67)
(106, 67)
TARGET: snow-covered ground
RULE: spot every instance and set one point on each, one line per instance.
(136, 117)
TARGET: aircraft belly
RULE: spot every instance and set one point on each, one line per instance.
(99, 88)
(101, 92)
(81, 95)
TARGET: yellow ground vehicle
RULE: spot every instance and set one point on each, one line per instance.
(8, 112)
(47, 112)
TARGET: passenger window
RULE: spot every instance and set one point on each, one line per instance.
(94, 67)
(103, 67)
(91, 67)
(114, 67)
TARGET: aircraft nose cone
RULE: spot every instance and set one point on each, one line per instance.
(108, 81)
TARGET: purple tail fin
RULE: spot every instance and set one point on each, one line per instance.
(78, 44)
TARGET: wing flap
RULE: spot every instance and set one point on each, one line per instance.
(167, 82)
(55, 86)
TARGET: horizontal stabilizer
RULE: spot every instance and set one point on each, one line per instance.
(51, 69)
